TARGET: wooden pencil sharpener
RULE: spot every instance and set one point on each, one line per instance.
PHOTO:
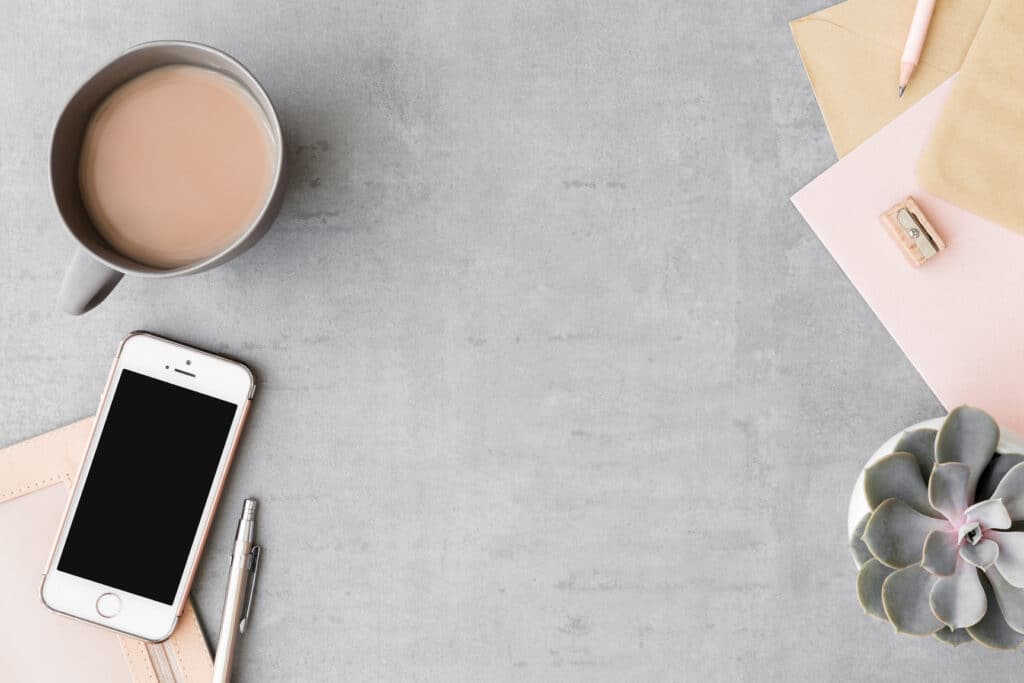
(916, 237)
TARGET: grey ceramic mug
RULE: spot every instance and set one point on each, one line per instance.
(96, 268)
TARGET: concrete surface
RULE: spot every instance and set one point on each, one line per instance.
(554, 382)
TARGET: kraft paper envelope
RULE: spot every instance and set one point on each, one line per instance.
(975, 158)
(37, 644)
(852, 51)
(955, 317)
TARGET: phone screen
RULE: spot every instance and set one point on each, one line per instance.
(144, 495)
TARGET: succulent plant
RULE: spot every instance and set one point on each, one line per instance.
(942, 551)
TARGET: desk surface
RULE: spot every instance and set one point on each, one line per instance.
(554, 382)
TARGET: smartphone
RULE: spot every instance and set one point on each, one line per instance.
(166, 431)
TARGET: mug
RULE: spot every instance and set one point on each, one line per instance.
(96, 268)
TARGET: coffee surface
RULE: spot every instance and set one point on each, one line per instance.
(175, 165)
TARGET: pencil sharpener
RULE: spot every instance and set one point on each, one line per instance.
(913, 233)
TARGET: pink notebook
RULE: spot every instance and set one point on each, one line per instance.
(957, 317)
(39, 645)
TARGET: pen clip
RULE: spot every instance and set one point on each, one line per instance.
(252, 566)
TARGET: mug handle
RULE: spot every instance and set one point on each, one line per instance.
(87, 282)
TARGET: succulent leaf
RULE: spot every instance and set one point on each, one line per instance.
(982, 555)
(956, 637)
(990, 514)
(968, 436)
(896, 533)
(897, 475)
(1009, 597)
(869, 587)
(1011, 491)
(993, 631)
(861, 553)
(1010, 562)
(959, 600)
(940, 550)
(921, 443)
(905, 599)
(994, 473)
(947, 490)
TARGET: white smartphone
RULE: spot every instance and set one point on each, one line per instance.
(137, 519)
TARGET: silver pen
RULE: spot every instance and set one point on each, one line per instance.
(245, 561)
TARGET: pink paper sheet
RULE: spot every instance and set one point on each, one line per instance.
(957, 317)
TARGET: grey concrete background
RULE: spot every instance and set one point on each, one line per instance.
(554, 382)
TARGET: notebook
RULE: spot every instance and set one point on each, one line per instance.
(956, 317)
(38, 645)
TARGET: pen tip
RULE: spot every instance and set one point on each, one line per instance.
(901, 89)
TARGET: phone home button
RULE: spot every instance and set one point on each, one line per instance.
(108, 605)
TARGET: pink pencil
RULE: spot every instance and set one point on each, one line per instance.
(915, 42)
